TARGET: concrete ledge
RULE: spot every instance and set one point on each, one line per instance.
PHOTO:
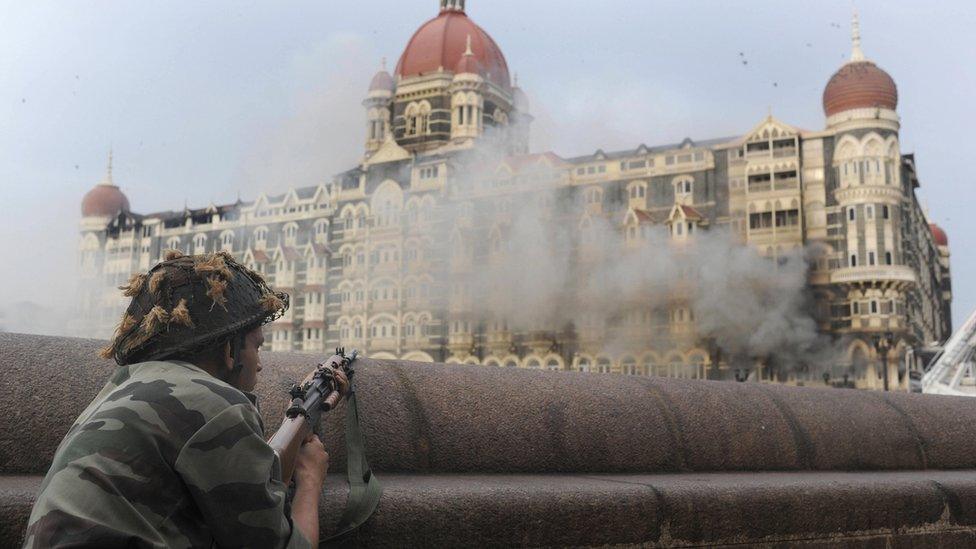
(890, 509)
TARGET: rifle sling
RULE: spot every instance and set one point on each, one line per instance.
(364, 487)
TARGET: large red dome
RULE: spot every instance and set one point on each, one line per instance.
(104, 201)
(859, 85)
(440, 43)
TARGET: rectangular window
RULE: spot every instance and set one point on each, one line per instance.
(874, 307)
(669, 160)
(871, 258)
(850, 214)
(762, 220)
(885, 212)
(637, 165)
(699, 156)
(601, 168)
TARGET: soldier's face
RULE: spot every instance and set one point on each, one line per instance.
(248, 378)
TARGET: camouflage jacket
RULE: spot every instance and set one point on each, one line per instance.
(165, 456)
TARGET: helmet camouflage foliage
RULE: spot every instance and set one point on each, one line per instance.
(187, 304)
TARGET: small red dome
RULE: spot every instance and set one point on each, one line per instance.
(940, 236)
(858, 85)
(382, 81)
(104, 201)
(440, 44)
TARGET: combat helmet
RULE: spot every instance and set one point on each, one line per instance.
(187, 304)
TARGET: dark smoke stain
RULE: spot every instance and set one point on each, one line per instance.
(920, 454)
(677, 459)
(805, 452)
(419, 422)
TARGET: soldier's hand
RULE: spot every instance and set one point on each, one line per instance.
(312, 462)
(342, 381)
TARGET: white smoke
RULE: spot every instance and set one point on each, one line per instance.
(536, 269)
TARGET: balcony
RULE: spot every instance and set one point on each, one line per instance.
(787, 184)
(760, 186)
(784, 152)
(891, 275)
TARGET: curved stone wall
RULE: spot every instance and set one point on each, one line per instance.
(475, 419)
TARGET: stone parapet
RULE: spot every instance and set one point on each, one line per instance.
(474, 455)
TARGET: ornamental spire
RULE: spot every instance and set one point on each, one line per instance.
(856, 53)
(108, 172)
(452, 5)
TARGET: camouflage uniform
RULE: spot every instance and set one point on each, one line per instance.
(165, 456)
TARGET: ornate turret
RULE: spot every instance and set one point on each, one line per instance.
(378, 107)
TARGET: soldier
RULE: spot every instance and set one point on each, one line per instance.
(172, 451)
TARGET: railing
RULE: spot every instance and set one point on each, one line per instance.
(883, 273)
(760, 186)
(789, 184)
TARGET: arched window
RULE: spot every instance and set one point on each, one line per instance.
(603, 365)
(533, 364)
(261, 238)
(638, 191)
(227, 241)
(683, 187)
(583, 365)
(173, 243)
(594, 195)
(553, 365)
(291, 234)
(200, 244)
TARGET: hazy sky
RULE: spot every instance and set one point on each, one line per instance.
(205, 100)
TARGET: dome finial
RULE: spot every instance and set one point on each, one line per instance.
(383, 63)
(856, 53)
(108, 172)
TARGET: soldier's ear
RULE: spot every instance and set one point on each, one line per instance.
(228, 358)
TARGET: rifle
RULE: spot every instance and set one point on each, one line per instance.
(318, 393)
